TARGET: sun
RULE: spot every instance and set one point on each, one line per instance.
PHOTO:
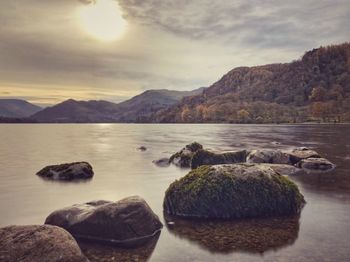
(103, 20)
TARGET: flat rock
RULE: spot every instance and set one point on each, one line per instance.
(233, 191)
(206, 157)
(128, 222)
(316, 164)
(38, 243)
(268, 156)
(301, 153)
(286, 170)
(68, 171)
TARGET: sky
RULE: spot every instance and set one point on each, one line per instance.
(49, 54)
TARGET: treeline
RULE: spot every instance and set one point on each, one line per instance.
(314, 88)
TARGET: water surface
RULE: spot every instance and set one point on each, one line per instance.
(321, 233)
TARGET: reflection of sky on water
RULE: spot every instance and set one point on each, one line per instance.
(121, 170)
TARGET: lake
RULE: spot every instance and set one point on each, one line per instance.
(321, 233)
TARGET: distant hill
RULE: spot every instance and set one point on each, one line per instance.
(314, 88)
(136, 109)
(141, 107)
(16, 108)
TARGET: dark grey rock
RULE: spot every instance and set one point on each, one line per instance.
(205, 157)
(162, 162)
(316, 164)
(184, 156)
(128, 222)
(69, 171)
(38, 243)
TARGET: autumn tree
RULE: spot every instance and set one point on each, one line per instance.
(243, 116)
(318, 94)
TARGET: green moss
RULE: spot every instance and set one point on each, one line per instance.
(232, 191)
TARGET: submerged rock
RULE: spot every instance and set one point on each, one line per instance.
(285, 170)
(184, 156)
(301, 153)
(268, 156)
(247, 235)
(69, 171)
(233, 191)
(128, 222)
(142, 148)
(162, 162)
(105, 253)
(38, 243)
(205, 157)
(316, 164)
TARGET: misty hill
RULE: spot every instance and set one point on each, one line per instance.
(316, 87)
(72, 111)
(132, 110)
(140, 107)
(17, 108)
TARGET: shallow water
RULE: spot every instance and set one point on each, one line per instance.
(322, 233)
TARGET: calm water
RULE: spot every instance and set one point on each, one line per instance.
(322, 233)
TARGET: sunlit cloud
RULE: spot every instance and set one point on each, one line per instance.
(45, 52)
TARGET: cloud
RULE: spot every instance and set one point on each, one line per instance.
(168, 44)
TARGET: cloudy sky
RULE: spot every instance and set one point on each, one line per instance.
(48, 52)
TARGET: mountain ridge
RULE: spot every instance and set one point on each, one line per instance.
(134, 109)
(17, 108)
(314, 88)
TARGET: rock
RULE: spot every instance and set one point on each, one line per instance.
(128, 222)
(38, 243)
(70, 171)
(286, 170)
(142, 148)
(243, 235)
(205, 157)
(233, 191)
(183, 158)
(300, 153)
(316, 164)
(106, 253)
(268, 156)
(162, 162)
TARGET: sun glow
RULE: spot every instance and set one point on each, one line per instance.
(103, 20)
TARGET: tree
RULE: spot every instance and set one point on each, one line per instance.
(186, 115)
(243, 116)
(318, 94)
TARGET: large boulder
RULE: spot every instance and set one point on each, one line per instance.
(184, 156)
(38, 243)
(268, 156)
(233, 191)
(205, 157)
(316, 164)
(301, 153)
(128, 222)
(69, 171)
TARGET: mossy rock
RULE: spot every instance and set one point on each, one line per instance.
(205, 157)
(233, 191)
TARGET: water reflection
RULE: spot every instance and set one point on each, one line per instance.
(101, 253)
(249, 235)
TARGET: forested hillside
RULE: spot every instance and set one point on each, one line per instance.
(314, 88)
